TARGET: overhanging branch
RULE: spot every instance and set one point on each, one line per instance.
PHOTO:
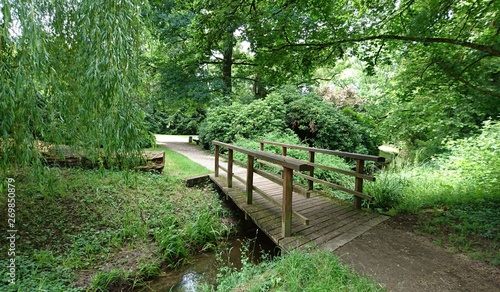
(490, 50)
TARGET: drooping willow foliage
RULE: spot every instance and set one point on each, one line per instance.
(69, 75)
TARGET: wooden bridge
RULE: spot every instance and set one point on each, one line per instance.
(291, 214)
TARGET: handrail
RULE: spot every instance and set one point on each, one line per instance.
(327, 151)
(289, 165)
(358, 174)
(289, 162)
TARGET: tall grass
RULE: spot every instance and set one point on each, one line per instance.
(302, 270)
(77, 223)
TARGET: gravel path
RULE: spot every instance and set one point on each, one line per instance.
(390, 253)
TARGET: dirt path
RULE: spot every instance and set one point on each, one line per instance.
(390, 253)
(405, 261)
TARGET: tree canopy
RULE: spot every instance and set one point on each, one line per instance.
(442, 56)
(288, 40)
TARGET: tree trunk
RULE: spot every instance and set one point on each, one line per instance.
(227, 64)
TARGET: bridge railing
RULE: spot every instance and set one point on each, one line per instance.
(359, 174)
(288, 165)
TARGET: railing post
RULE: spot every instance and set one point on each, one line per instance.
(250, 179)
(311, 173)
(261, 149)
(358, 186)
(230, 168)
(283, 153)
(216, 170)
(286, 206)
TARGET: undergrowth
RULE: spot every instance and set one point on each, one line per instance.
(455, 196)
(303, 270)
(87, 229)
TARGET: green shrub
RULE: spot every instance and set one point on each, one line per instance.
(387, 191)
(477, 158)
(322, 125)
(225, 123)
(315, 122)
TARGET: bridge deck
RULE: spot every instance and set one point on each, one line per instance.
(332, 223)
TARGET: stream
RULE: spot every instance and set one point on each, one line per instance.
(203, 267)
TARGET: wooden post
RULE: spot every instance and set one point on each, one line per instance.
(230, 168)
(360, 168)
(311, 173)
(261, 149)
(283, 153)
(286, 207)
(250, 179)
(216, 170)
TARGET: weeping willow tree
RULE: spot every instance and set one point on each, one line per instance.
(69, 75)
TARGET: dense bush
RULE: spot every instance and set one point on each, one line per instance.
(315, 122)
(225, 123)
(322, 125)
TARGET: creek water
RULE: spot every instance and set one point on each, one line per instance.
(203, 267)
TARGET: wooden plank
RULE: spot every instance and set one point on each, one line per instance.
(222, 168)
(321, 226)
(353, 233)
(298, 216)
(345, 225)
(278, 180)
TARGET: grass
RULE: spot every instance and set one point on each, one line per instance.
(178, 165)
(303, 270)
(88, 230)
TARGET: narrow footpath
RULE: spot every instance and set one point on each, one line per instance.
(391, 253)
